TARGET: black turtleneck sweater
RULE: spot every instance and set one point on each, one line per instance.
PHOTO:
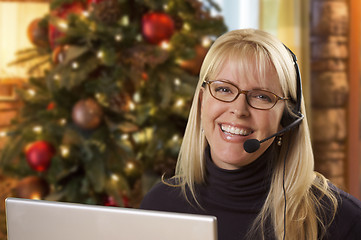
(235, 197)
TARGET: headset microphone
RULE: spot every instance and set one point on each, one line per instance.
(252, 145)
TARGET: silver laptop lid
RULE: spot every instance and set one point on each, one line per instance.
(46, 220)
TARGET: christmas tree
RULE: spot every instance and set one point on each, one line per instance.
(107, 116)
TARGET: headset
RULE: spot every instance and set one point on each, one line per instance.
(288, 120)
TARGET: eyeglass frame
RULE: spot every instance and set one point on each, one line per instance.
(245, 92)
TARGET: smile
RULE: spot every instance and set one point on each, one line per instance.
(235, 131)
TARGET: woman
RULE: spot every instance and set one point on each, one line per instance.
(248, 90)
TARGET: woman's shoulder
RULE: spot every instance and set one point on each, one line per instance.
(347, 221)
(164, 196)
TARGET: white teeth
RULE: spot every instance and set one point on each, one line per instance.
(235, 130)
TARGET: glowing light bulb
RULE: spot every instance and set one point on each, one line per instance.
(75, 65)
(165, 45)
(100, 54)
(125, 21)
(136, 97)
(3, 134)
(62, 121)
(114, 177)
(179, 103)
(131, 105)
(118, 37)
(38, 129)
(56, 77)
(175, 138)
(130, 166)
(139, 38)
(31, 92)
(64, 151)
(187, 26)
(206, 42)
(177, 82)
(63, 25)
(86, 14)
(125, 137)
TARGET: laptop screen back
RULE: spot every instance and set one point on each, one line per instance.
(46, 220)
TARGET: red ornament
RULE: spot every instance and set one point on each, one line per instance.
(157, 27)
(32, 187)
(90, 2)
(110, 201)
(62, 12)
(50, 106)
(54, 35)
(39, 155)
(68, 8)
(37, 34)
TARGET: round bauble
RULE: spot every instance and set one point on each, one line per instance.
(193, 66)
(38, 34)
(87, 114)
(32, 187)
(39, 155)
(157, 27)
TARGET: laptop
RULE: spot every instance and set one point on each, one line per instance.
(46, 220)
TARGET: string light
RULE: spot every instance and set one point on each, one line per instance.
(62, 122)
(62, 24)
(177, 82)
(130, 166)
(86, 14)
(64, 151)
(3, 134)
(187, 26)
(165, 7)
(136, 97)
(75, 65)
(206, 42)
(179, 103)
(131, 105)
(139, 38)
(38, 129)
(114, 177)
(56, 77)
(175, 138)
(100, 54)
(31, 92)
(118, 37)
(125, 21)
(165, 45)
(125, 136)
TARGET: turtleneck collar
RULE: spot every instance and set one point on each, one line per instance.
(245, 188)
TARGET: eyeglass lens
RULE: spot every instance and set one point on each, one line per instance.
(227, 92)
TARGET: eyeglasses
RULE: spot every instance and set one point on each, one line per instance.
(228, 92)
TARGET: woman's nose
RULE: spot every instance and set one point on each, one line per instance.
(240, 106)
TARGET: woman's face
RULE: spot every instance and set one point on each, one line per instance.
(227, 148)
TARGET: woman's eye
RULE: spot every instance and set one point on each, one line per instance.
(262, 97)
(223, 89)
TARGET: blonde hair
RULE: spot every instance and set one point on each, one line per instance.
(304, 187)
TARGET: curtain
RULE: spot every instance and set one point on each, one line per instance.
(289, 21)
